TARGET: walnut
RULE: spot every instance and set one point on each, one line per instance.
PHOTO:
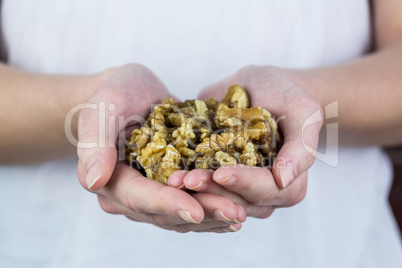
(249, 156)
(236, 97)
(225, 159)
(203, 134)
(167, 165)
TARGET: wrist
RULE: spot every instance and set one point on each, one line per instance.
(303, 78)
(313, 82)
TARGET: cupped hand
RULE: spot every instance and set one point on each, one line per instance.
(260, 190)
(250, 187)
(131, 90)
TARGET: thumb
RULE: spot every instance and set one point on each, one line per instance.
(96, 148)
(301, 134)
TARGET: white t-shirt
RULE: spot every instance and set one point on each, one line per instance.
(48, 220)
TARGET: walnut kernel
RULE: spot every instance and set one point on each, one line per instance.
(203, 134)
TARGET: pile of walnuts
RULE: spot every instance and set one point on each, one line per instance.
(203, 134)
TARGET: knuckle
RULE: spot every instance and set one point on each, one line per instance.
(107, 206)
(310, 141)
(297, 197)
(87, 136)
(259, 212)
(310, 159)
(266, 213)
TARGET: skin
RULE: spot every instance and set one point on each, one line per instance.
(30, 99)
(122, 190)
(221, 203)
(260, 190)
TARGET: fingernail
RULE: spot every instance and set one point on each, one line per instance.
(197, 186)
(220, 216)
(288, 174)
(185, 215)
(93, 173)
(231, 228)
(229, 180)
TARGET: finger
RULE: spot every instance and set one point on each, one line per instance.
(218, 203)
(220, 208)
(168, 223)
(198, 179)
(201, 180)
(97, 157)
(255, 185)
(215, 218)
(176, 179)
(192, 181)
(225, 229)
(97, 139)
(301, 133)
(142, 195)
(165, 222)
(293, 194)
(112, 207)
(215, 226)
(216, 208)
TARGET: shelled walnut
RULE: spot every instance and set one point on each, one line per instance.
(203, 134)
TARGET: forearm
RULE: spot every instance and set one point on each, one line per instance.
(369, 94)
(33, 110)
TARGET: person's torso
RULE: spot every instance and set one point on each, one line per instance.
(189, 45)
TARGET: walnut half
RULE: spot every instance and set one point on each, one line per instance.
(203, 134)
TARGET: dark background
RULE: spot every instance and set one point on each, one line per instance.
(395, 197)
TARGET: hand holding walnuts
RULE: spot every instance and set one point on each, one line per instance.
(260, 190)
(131, 90)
